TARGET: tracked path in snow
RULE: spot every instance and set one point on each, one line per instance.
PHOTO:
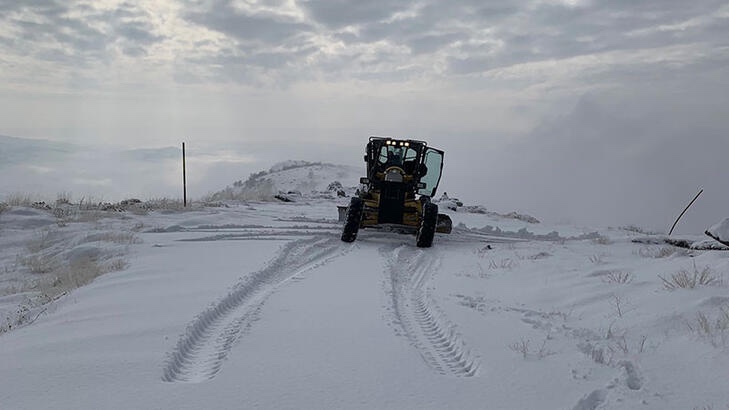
(309, 227)
(208, 339)
(430, 332)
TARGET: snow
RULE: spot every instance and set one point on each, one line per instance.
(720, 230)
(260, 305)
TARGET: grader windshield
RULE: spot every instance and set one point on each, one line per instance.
(413, 157)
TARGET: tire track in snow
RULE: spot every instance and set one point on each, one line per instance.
(202, 349)
(416, 312)
(248, 232)
(255, 233)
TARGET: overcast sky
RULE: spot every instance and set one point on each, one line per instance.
(594, 111)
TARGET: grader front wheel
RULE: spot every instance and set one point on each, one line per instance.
(426, 232)
(353, 220)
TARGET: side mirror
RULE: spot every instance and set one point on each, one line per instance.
(364, 181)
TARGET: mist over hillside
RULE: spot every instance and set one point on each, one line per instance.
(21, 150)
(551, 173)
(43, 169)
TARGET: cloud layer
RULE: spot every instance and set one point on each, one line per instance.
(287, 41)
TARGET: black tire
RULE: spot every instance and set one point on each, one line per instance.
(353, 220)
(426, 232)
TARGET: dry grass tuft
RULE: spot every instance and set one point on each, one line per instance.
(18, 199)
(77, 274)
(689, 280)
(714, 330)
(506, 263)
(63, 198)
(43, 240)
(616, 276)
(38, 263)
(116, 265)
(81, 272)
(522, 347)
(165, 204)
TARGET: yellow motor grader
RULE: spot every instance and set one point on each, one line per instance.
(402, 177)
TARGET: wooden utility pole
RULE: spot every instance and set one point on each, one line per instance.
(184, 178)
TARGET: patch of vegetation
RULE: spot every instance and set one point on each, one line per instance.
(522, 347)
(685, 279)
(616, 276)
(715, 329)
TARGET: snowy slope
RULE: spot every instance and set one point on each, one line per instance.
(295, 177)
(260, 305)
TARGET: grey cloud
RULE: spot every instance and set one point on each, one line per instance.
(43, 7)
(244, 63)
(394, 75)
(135, 51)
(553, 31)
(342, 13)
(222, 17)
(470, 65)
(82, 43)
(492, 11)
(397, 32)
(472, 36)
(256, 69)
(278, 59)
(433, 42)
(423, 31)
(138, 33)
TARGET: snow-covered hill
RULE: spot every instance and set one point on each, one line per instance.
(292, 178)
(258, 304)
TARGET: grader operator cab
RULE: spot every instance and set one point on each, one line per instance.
(402, 176)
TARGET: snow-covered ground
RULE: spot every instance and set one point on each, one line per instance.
(260, 305)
